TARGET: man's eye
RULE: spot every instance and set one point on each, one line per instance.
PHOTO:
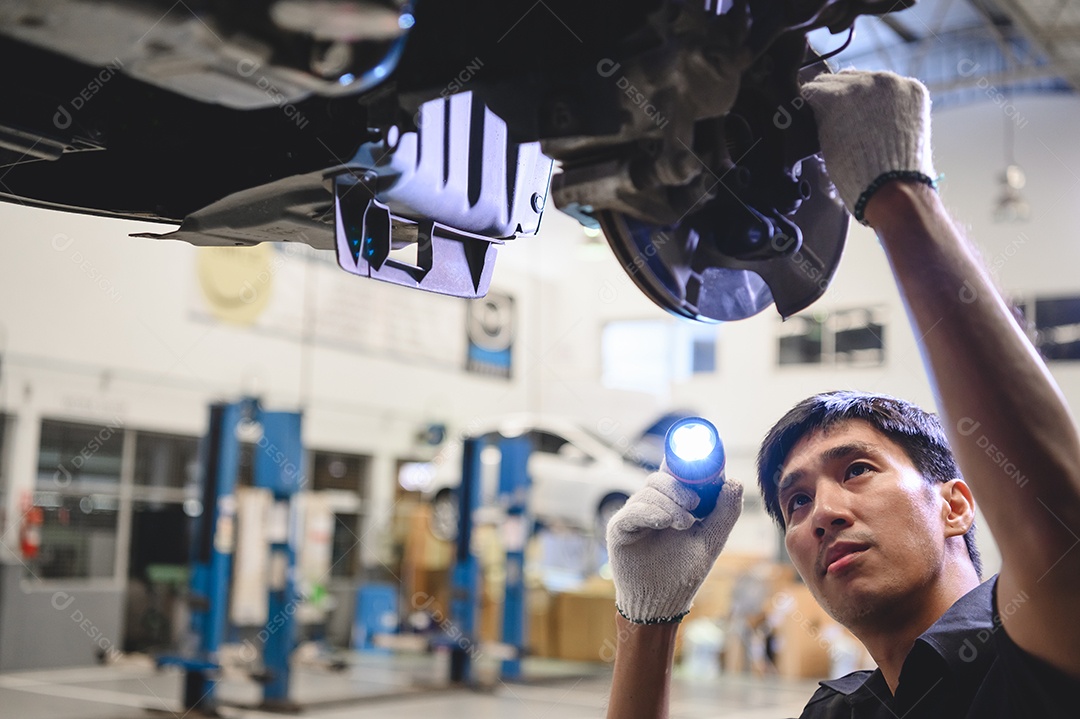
(796, 501)
(858, 469)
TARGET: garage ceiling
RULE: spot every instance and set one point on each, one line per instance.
(963, 48)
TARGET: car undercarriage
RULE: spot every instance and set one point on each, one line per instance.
(414, 139)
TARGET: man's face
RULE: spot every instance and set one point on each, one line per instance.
(864, 529)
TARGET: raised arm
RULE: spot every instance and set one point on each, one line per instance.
(1008, 424)
(660, 555)
(994, 393)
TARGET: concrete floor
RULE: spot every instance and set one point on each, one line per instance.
(403, 687)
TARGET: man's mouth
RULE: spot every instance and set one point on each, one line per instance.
(841, 554)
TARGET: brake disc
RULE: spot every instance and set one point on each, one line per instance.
(683, 269)
(768, 227)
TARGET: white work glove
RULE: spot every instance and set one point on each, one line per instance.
(660, 553)
(873, 127)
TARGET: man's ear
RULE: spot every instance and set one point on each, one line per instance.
(958, 509)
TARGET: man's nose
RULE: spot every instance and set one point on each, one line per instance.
(831, 509)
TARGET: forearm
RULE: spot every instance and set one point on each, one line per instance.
(660, 555)
(641, 684)
(992, 387)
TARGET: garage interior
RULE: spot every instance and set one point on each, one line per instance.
(132, 369)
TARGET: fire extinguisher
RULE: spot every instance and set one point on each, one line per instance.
(30, 531)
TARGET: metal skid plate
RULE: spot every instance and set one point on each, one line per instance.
(448, 261)
(460, 166)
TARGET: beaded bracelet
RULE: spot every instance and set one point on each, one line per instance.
(911, 175)
(677, 619)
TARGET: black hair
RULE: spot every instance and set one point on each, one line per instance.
(917, 432)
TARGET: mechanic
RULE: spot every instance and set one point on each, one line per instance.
(877, 514)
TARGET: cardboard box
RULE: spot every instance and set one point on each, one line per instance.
(491, 618)
(543, 635)
(428, 590)
(423, 550)
(585, 623)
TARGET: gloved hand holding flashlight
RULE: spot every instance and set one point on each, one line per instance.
(664, 541)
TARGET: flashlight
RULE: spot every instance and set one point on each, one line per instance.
(694, 454)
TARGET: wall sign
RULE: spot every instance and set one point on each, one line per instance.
(490, 330)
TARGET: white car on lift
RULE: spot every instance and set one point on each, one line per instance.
(577, 478)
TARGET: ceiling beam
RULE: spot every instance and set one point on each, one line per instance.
(898, 28)
(1039, 36)
(994, 23)
(998, 80)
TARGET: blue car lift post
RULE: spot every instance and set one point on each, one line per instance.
(465, 576)
(213, 539)
(280, 472)
(514, 490)
(211, 558)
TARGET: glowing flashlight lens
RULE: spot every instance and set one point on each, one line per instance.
(692, 441)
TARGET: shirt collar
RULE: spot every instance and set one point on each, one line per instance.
(859, 686)
(962, 633)
(959, 637)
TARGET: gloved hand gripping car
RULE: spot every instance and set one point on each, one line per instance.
(873, 127)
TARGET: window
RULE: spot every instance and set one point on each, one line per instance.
(648, 355)
(800, 340)
(703, 354)
(78, 489)
(78, 536)
(75, 457)
(1056, 322)
(335, 470)
(858, 336)
(854, 337)
(546, 442)
(165, 461)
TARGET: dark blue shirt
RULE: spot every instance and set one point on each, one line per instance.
(964, 665)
